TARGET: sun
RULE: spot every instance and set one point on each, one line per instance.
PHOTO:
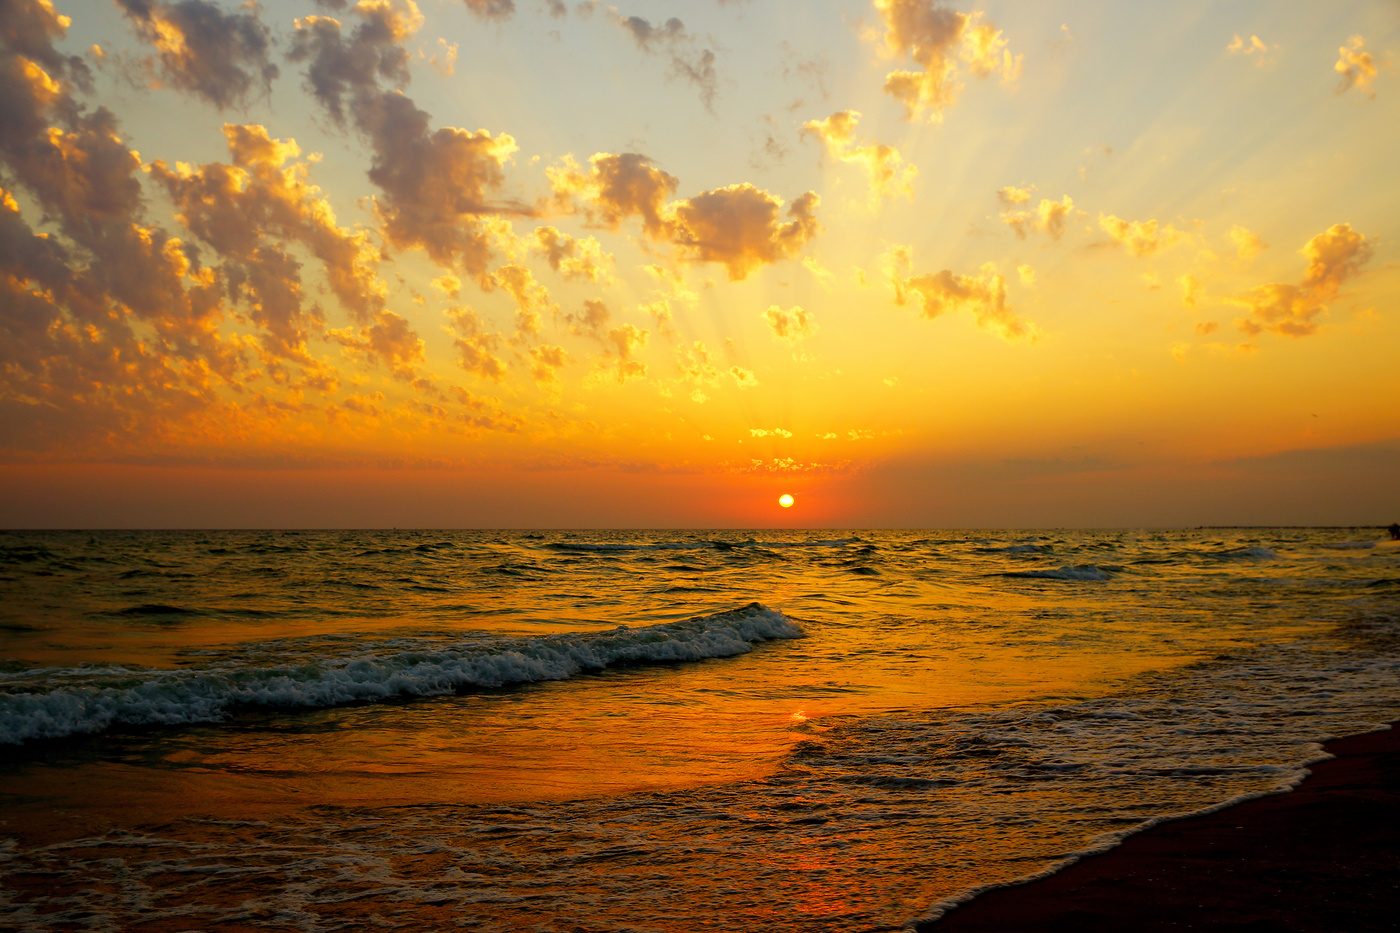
(785, 501)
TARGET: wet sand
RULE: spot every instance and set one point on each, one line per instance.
(1325, 857)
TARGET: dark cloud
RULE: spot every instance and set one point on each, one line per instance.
(689, 61)
(221, 57)
(437, 185)
(491, 9)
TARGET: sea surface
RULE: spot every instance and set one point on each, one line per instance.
(646, 731)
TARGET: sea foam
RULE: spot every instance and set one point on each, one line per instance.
(99, 700)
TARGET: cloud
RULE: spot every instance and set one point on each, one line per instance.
(738, 226)
(983, 295)
(28, 29)
(626, 340)
(1050, 217)
(490, 9)
(1027, 275)
(591, 320)
(1190, 288)
(437, 185)
(580, 259)
(614, 188)
(792, 325)
(218, 56)
(475, 345)
(241, 207)
(1140, 238)
(689, 62)
(389, 339)
(531, 298)
(545, 363)
(769, 432)
(1254, 47)
(1334, 257)
(937, 38)
(1011, 195)
(889, 176)
(1356, 66)
(340, 68)
(1247, 243)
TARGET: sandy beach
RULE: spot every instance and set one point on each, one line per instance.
(1321, 858)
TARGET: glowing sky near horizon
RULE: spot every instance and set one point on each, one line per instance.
(489, 262)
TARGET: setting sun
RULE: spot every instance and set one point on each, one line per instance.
(785, 500)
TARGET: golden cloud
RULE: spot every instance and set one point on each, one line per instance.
(937, 38)
(1247, 243)
(792, 325)
(983, 295)
(1049, 217)
(475, 345)
(1140, 238)
(739, 226)
(1356, 66)
(889, 176)
(1334, 256)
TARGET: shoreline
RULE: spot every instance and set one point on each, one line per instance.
(1321, 857)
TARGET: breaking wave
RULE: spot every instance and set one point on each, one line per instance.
(95, 700)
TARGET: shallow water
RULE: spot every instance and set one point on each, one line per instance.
(646, 731)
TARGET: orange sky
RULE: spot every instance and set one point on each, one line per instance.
(483, 263)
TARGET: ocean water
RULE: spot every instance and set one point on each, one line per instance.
(646, 731)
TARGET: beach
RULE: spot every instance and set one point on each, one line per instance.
(1323, 857)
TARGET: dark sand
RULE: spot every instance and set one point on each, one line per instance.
(1322, 859)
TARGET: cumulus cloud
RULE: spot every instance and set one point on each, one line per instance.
(1051, 217)
(615, 188)
(1257, 49)
(1140, 238)
(937, 39)
(531, 298)
(581, 259)
(1012, 196)
(437, 185)
(247, 208)
(625, 341)
(1247, 243)
(982, 295)
(590, 321)
(792, 325)
(689, 62)
(1356, 66)
(546, 361)
(889, 176)
(739, 226)
(221, 57)
(1334, 257)
(490, 9)
(476, 345)
(769, 432)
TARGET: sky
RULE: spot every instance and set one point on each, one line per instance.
(532, 263)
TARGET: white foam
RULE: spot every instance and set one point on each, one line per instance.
(170, 697)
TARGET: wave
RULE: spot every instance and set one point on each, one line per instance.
(1261, 553)
(607, 547)
(1067, 572)
(1017, 549)
(144, 697)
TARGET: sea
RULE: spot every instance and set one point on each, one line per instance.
(647, 730)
